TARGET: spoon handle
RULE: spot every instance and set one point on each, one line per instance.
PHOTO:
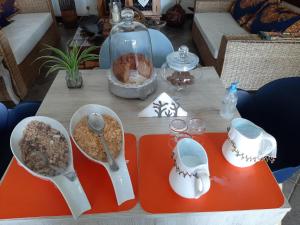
(111, 161)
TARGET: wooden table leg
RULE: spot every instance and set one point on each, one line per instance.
(4, 73)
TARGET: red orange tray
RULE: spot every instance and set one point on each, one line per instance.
(23, 195)
(232, 188)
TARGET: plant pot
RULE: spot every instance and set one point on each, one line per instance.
(74, 81)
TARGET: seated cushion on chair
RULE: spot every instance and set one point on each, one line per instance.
(213, 26)
(276, 108)
(25, 32)
(243, 10)
(273, 17)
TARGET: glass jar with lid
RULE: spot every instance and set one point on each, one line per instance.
(132, 72)
(178, 66)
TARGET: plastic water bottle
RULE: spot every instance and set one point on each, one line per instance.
(229, 102)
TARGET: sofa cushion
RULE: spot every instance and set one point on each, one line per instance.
(25, 32)
(291, 7)
(8, 7)
(274, 18)
(213, 26)
(243, 10)
(3, 21)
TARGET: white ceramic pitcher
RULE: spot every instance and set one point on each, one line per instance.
(247, 143)
(189, 177)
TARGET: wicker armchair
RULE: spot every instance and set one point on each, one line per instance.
(247, 58)
(23, 74)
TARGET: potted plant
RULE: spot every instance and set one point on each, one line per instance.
(68, 61)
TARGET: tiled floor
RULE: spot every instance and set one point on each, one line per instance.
(178, 36)
(291, 190)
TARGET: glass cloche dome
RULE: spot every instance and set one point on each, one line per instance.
(132, 71)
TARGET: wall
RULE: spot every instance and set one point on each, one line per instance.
(80, 7)
(82, 4)
(166, 4)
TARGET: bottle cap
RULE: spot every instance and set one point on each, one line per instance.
(233, 87)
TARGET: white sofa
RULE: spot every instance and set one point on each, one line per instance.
(25, 32)
(238, 55)
(21, 41)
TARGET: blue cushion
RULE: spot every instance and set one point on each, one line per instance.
(243, 10)
(273, 17)
(21, 111)
(3, 118)
(3, 21)
(8, 8)
(276, 107)
(285, 173)
(9, 118)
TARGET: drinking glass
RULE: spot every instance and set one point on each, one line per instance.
(178, 130)
(196, 126)
(185, 128)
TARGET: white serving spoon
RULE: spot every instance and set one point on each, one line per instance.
(96, 124)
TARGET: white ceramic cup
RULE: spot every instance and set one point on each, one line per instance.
(247, 143)
(189, 178)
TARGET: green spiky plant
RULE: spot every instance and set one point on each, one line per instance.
(68, 61)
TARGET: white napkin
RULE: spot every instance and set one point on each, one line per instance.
(163, 106)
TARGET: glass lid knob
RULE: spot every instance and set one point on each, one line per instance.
(182, 60)
(183, 52)
(127, 15)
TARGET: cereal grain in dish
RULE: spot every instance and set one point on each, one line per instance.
(44, 149)
(90, 141)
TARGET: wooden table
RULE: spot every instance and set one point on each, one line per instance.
(203, 100)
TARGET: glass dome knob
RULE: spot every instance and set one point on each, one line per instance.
(183, 52)
(127, 15)
(182, 60)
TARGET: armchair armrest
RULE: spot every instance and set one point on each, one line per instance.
(10, 62)
(213, 5)
(34, 6)
(253, 62)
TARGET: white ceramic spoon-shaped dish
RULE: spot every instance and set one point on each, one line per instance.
(67, 182)
(120, 179)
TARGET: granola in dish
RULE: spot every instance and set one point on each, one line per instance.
(44, 149)
(90, 141)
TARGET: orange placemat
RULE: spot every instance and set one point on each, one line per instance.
(232, 188)
(23, 195)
